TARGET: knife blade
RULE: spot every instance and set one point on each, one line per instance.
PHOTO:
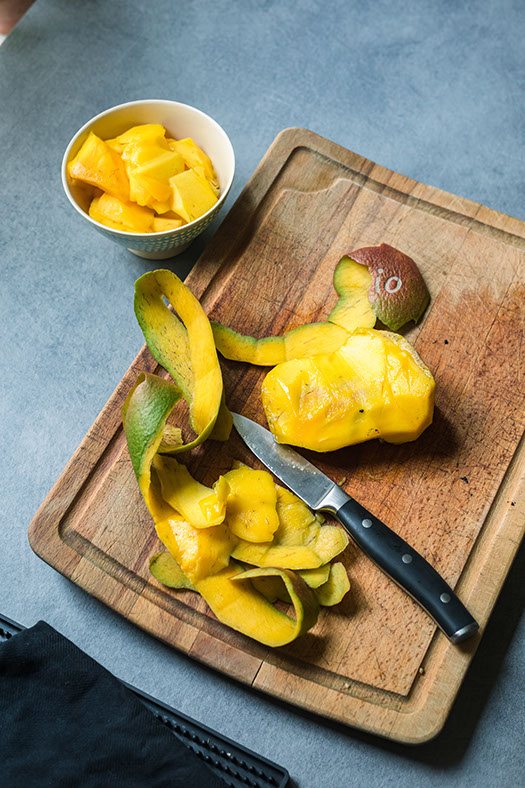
(404, 565)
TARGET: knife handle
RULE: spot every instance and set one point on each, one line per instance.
(409, 570)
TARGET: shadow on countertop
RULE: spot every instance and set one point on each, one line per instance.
(450, 746)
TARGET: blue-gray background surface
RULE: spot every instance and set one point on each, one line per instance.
(434, 90)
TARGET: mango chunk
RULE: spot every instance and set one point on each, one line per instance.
(194, 157)
(97, 164)
(121, 215)
(192, 195)
(162, 223)
(144, 133)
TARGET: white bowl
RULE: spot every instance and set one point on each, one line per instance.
(181, 121)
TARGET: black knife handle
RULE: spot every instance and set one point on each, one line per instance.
(409, 570)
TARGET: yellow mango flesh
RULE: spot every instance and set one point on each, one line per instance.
(126, 216)
(297, 524)
(300, 541)
(374, 386)
(99, 165)
(143, 133)
(161, 224)
(251, 511)
(192, 195)
(300, 342)
(352, 282)
(200, 552)
(334, 589)
(137, 168)
(282, 556)
(185, 494)
(149, 182)
(193, 156)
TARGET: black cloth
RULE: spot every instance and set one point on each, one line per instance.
(66, 721)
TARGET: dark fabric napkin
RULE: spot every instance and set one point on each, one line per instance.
(66, 721)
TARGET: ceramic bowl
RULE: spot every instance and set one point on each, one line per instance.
(181, 121)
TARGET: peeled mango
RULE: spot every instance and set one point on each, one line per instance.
(374, 386)
(149, 182)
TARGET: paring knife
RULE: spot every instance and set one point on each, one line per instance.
(391, 553)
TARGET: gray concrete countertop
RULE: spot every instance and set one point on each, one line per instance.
(433, 90)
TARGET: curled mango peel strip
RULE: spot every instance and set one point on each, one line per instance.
(305, 603)
(239, 605)
(185, 348)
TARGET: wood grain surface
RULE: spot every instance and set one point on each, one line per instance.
(375, 661)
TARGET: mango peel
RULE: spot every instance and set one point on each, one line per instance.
(373, 283)
(378, 282)
(185, 348)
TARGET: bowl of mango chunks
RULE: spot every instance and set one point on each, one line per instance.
(150, 175)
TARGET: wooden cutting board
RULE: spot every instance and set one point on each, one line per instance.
(375, 661)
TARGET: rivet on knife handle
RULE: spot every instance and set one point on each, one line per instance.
(408, 569)
(391, 553)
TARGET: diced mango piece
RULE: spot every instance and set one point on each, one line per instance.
(136, 154)
(192, 195)
(193, 155)
(145, 132)
(148, 191)
(162, 167)
(160, 224)
(99, 165)
(115, 145)
(121, 215)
